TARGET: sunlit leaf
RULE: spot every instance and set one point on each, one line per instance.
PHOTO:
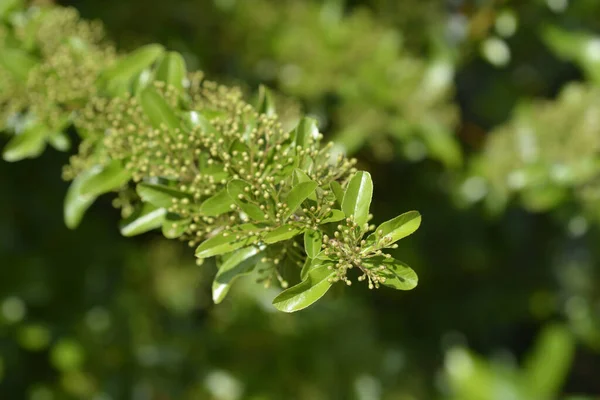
(28, 144)
(76, 203)
(111, 177)
(297, 195)
(312, 242)
(240, 193)
(398, 275)
(306, 292)
(333, 216)
(160, 195)
(171, 70)
(357, 197)
(224, 242)
(174, 225)
(237, 264)
(126, 68)
(305, 132)
(338, 191)
(146, 219)
(157, 110)
(284, 232)
(216, 205)
(393, 230)
(266, 104)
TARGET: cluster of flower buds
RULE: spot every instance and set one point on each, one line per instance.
(193, 158)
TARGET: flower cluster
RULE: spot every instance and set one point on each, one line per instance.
(194, 159)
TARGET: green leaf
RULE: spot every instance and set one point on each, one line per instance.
(281, 233)
(312, 242)
(224, 242)
(357, 197)
(216, 205)
(237, 191)
(306, 132)
(548, 364)
(160, 195)
(393, 230)
(28, 144)
(77, 203)
(60, 141)
(17, 62)
(299, 176)
(193, 119)
(266, 105)
(148, 218)
(398, 275)
(238, 264)
(172, 70)
(337, 190)
(174, 226)
(140, 82)
(111, 177)
(312, 263)
(306, 292)
(128, 67)
(157, 110)
(333, 216)
(297, 195)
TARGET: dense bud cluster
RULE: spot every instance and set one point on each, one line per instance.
(193, 158)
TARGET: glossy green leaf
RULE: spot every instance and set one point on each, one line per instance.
(238, 264)
(174, 226)
(299, 176)
(140, 82)
(128, 67)
(312, 242)
(337, 190)
(17, 62)
(357, 197)
(160, 195)
(237, 191)
(148, 218)
(393, 230)
(333, 216)
(266, 104)
(306, 132)
(312, 263)
(281, 233)
(171, 70)
(194, 119)
(547, 366)
(28, 144)
(157, 110)
(76, 203)
(111, 177)
(60, 141)
(306, 292)
(398, 275)
(297, 195)
(224, 242)
(216, 205)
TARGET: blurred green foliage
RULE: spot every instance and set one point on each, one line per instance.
(508, 243)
